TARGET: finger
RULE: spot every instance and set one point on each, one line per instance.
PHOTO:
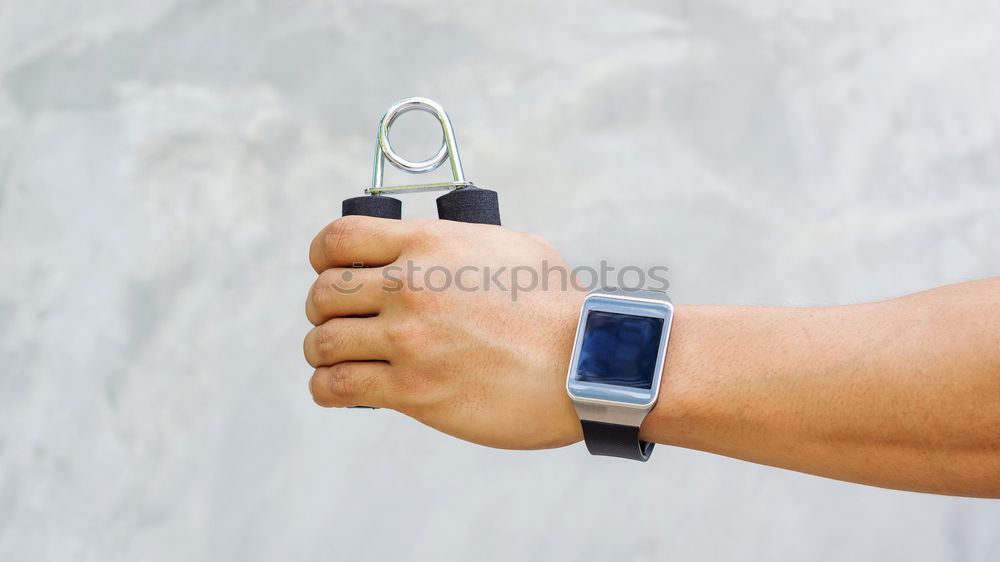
(358, 239)
(345, 292)
(354, 383)
(346, 339)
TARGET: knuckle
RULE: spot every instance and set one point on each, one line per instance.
(325, 338)
(332, 386)
(406, 336)
(425, 294)
(322, 288)
(317, 346)
(338, 232)
(340, 381)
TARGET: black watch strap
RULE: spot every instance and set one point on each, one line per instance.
(614, 440)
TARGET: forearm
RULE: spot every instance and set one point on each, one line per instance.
(902, 393)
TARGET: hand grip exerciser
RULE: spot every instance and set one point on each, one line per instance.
(464, 203)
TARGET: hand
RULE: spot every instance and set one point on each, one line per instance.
(467, 328)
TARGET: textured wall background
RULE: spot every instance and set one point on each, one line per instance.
(164, 164)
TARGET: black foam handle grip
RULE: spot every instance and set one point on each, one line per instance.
(373, 206)
(470, 204)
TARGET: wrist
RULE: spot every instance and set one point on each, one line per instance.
(674, 420)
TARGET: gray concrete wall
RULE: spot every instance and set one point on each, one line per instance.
(164, 164)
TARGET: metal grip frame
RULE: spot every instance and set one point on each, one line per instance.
(448, 151)
(464, 203)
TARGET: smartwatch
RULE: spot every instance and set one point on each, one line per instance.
(614, 372)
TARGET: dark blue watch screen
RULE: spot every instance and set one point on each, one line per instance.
(619, 349)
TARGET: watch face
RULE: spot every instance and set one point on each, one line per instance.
(618, 355)
(619, 349)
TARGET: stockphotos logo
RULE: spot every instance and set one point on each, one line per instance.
(513, 280)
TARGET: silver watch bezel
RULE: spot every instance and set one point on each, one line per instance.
(611, 403)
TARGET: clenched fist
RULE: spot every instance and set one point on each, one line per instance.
(467, 328)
